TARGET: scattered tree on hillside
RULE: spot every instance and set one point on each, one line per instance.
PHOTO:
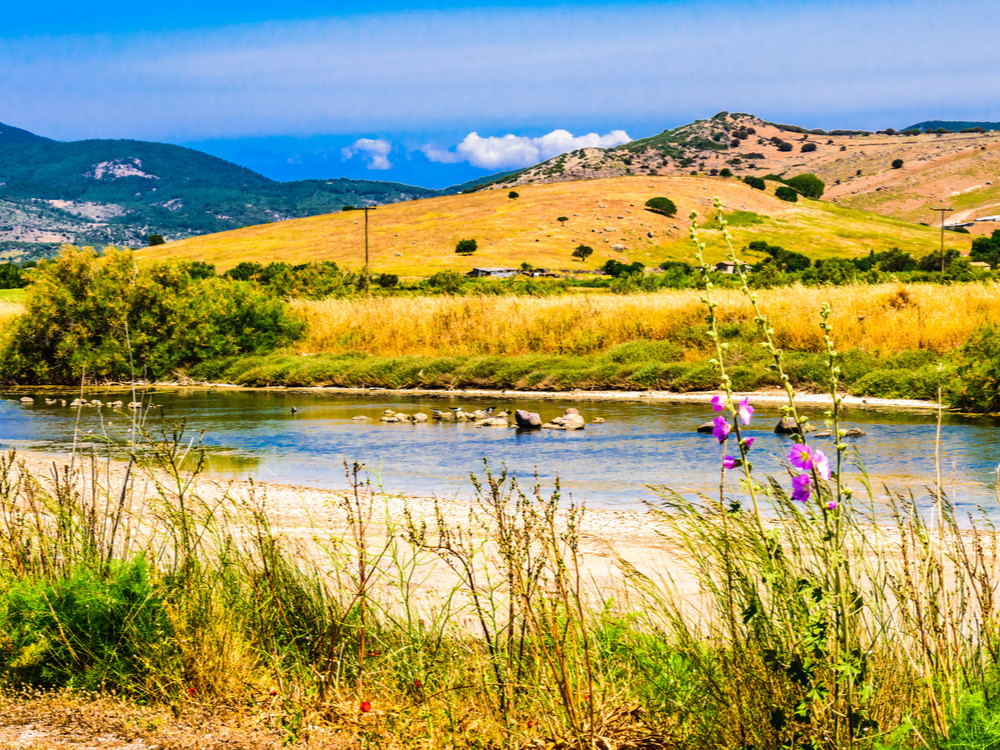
(808, 185)
(466, 247)
(786, 193)
(661, 205)
(808, 148)
(755, 182)
(513, 195)
(725, 172)
(583, 252)
(156, 239)
(562, 219)
(897, 163)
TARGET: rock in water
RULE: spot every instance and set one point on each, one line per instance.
(787, 426)
(707, 427)
(527, 420)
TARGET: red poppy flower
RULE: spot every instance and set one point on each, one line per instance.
(365, 707)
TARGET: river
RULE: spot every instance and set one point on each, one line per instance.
(256, 433)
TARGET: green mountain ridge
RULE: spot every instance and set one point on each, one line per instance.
(118, 192)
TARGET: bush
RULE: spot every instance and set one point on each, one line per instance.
(808, 185)
(387, 280)
(757, 183)
(86, 632)
(513, 195)
(466, 247)
(617, 269)
(156, 239)
(583, 252)
(111, 319)
(808, 148)
(447, 281)
(897, 163)
(786, 193)
(662, 205)
(784, 146)
(725, 172)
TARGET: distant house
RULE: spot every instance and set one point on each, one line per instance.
(494, 273)
(980, 264)
(727, 266)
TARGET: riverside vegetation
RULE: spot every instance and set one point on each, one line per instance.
(810, 624)
(97, 318)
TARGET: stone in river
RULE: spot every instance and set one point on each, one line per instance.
(527, 420)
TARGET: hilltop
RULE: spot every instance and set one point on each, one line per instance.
(418, 237)
(937, 168)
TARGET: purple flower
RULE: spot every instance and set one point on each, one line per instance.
(728, 462)
(831, 505)
(747, 442)
(718, 403)
(806, 458)
(801, 489)
(721, 430)
(745, 411)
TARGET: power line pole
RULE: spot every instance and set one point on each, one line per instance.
(366, 209)
(943, 211)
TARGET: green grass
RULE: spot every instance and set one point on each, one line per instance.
(12, 295)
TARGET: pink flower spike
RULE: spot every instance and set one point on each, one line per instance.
(822, 464)
(728, 462)
(745, 411)
(721, 430)
(800, 457)
(718, 403)
(831, 505)
(801, 489)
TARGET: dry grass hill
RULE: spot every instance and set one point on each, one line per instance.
(418, 238)
(956, 170)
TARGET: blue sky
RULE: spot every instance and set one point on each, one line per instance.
(434, 93)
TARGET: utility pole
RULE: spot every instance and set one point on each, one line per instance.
(366, 209)
(943, 211)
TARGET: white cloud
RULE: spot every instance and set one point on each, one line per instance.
(511, 150)
(376, 150)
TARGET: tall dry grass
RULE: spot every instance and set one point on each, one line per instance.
(882, 319)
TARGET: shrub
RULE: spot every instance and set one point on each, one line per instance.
(617, 269)
(583, 252)
(387, 280)
(784, 146)
(897, 163)
(725, 172)
(110, 318)
(513, 195)
(156, 239)
(786, 193)
(661, 205)
(808, 185)
(466, 247)
(757, 183)
(447, 281)
(808, 148)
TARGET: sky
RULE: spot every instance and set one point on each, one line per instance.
(436, 93)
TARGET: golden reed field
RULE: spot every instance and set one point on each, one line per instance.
(877, 318)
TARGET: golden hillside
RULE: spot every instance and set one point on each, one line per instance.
(418, 238)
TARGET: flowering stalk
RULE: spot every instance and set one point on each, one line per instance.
(719, 403)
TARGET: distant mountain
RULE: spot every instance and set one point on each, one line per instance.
(954, 125)
(100, 192)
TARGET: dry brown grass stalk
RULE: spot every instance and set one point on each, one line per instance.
(881, 318)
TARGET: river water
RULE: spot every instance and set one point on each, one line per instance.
(255, 433)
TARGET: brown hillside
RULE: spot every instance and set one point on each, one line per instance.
(954, 170)
(418, 238)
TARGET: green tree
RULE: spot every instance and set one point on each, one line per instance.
(466, 247)
(513, 195)
(808, 185)
(661, 205)
(786, 193)
(757, 183)
(897, 163)
(156, 239)
(583, 252)
(113, 318)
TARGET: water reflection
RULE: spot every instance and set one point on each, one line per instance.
(256, 433)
